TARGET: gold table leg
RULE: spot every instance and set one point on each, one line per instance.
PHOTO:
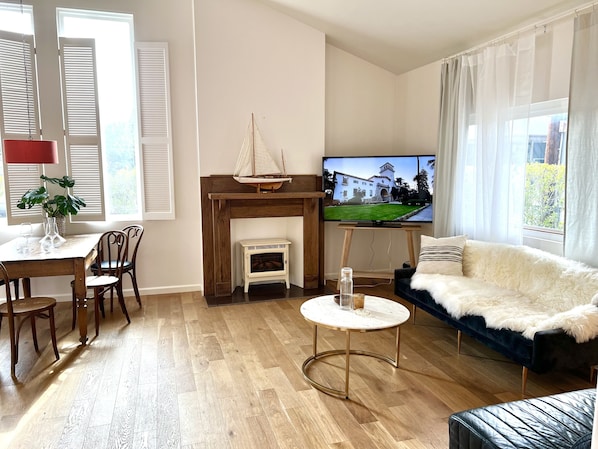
(347, 362)
(343, 394)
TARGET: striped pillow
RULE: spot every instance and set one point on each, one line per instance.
(441, 256)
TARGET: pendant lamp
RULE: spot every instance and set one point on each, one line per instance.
(30, 152)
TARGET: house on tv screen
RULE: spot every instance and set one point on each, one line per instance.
(375, 189)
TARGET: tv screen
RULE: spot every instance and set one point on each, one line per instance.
(378, 190)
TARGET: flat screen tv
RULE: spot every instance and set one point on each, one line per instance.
(378, 190)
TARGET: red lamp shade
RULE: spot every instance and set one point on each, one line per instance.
(30, 152)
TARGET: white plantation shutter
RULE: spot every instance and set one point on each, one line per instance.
(155, 131)
(19, 119)
(82, 125)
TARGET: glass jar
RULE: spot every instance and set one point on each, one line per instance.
(346, 288)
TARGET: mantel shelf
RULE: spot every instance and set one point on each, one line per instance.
(264, 196)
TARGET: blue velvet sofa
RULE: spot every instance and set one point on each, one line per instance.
(547, 350)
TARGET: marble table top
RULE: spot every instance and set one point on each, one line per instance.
(378, 313)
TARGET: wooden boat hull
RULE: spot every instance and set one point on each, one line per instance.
(263, 184)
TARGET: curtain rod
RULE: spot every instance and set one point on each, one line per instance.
(535, 26)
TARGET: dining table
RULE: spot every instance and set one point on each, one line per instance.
(73, 257)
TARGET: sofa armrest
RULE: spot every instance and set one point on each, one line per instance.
(404, 273)
(555, 349)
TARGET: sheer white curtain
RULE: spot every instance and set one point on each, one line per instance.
(455, 107)
(479, 185)
(581, 220)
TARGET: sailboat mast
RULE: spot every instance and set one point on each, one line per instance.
(252, 146)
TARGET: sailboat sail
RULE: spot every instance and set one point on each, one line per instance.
(255, 159)
(255, 164)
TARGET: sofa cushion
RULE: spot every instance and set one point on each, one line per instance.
(534, 273)
(441, 255)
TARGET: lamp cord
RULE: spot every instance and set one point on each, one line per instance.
(26, 76)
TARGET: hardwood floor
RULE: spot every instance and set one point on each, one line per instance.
(183, 375)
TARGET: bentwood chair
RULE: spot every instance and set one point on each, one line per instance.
(112, 247)
(19, 311)
(134, 235)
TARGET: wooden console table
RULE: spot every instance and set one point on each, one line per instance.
(223, 199)
(350, 227)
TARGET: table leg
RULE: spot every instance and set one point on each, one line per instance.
(80, 294)
(398, 341)
(26, 287)
(315, 342)
(347, 362)
(409, 236)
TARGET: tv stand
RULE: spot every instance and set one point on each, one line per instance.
(350, 227)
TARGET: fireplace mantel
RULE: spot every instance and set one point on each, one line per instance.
(264, 196)
(223, 199)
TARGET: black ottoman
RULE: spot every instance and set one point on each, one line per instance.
(558, 421)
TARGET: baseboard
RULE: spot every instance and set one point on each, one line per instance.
(66, 297)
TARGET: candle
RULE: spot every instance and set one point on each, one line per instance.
(358, 300)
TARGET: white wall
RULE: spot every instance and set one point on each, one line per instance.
(418, 100)
(360, 106)
(254, 59)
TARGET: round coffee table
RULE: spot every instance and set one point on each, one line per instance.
(378, 314)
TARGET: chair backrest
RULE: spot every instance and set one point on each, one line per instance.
(5, 279)
(112, 253)
(134, 234)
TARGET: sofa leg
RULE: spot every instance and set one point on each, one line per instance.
(593, 370)
(413, 313)
(459, 335)
(523, 380)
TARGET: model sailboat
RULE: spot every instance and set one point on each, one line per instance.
(255, 165)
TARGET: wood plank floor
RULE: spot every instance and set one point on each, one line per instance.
(184, 375)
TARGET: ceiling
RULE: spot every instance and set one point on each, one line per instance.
(401, 35)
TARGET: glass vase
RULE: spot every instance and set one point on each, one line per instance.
(61, 225)
(51, 238)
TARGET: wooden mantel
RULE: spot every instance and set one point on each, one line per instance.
(223, 199)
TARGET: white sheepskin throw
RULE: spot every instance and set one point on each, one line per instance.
(519, 288)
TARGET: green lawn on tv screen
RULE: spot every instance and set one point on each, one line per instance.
(368, 212)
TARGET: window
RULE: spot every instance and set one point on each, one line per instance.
(116, 113)
(544, 207)
(117, 104)
(543, 136)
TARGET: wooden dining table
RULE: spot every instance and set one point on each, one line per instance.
(73, 258)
